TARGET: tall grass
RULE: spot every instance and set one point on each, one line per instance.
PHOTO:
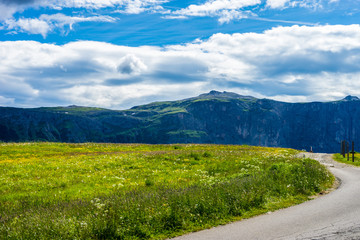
(144, 191)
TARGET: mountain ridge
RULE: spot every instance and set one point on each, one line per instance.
(214, 117)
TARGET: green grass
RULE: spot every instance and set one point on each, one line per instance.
(133, 191)
(338, 157)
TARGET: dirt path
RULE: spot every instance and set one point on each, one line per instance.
(332, 216)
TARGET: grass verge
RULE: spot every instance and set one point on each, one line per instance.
(338, 157)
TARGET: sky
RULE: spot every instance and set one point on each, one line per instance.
(121, 53)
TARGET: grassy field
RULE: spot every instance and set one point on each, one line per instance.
(338, 157)
(133, 191)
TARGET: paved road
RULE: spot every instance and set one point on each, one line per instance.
(332, 216)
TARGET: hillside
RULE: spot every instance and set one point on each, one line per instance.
(215, 117)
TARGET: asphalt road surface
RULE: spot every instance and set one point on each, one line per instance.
(333, 216)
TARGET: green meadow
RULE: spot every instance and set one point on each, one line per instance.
(136, 191)
(338, 157)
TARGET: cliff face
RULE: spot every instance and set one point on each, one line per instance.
(37, 125)
(225, 118)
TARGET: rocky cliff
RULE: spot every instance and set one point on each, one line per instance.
(215, 117)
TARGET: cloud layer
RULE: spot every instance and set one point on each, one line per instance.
(224, 11)
(286, 63)
(48, 23)
(228, 10)
(90, 4)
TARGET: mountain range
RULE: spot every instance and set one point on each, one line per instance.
(214, 117)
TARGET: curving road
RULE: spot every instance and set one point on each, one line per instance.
(332, 216)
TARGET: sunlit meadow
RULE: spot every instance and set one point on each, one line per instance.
(338, 157)
(134, 191)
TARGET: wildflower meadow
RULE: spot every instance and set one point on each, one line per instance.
(137, 191)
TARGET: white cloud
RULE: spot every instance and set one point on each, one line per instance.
(6, 101)
(33, 26)
(227, 16)
(128, 96)
(8, 8)
(174, 17)
(124, 6)
(131, 5)
(15, 89)
(225, 9)
(276, 3)
(130, 64)
(287, 63)
(313, 4)
(60, 19)
(7, 12)
(228, 10)
(215, 6)
(48, 23)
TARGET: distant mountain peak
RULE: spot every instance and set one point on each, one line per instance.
(73, 106)
(351, 98)
(224, 94)
(214, 92)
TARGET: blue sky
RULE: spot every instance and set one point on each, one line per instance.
(121, 53)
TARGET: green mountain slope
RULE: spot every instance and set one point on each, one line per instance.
(215, 117)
